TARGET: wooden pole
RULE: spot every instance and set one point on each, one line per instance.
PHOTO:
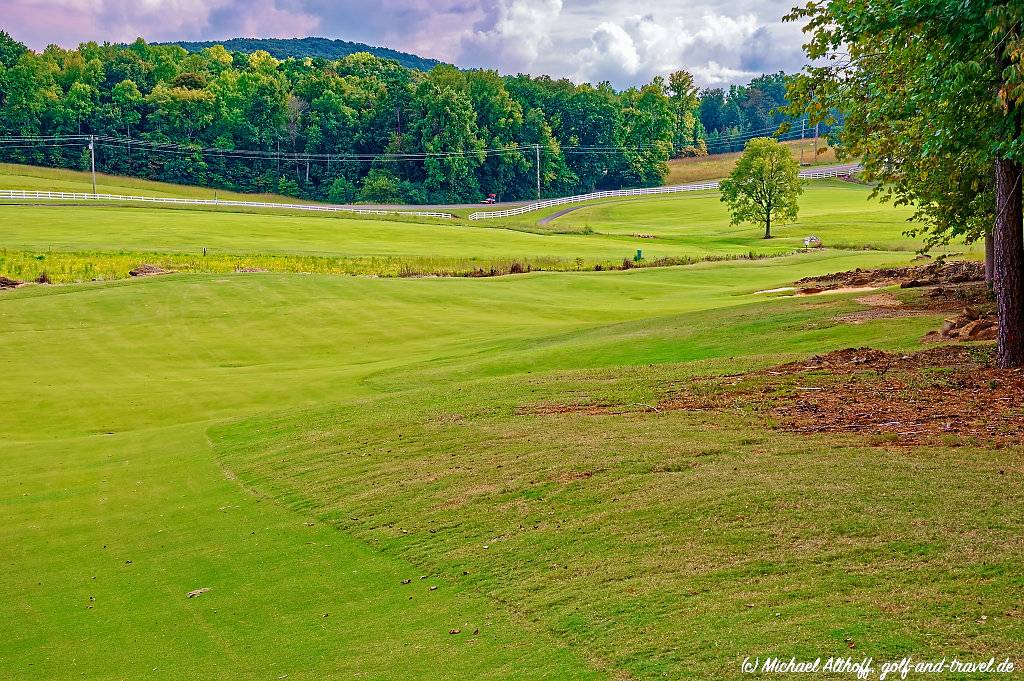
(536, 148)
(92, 161)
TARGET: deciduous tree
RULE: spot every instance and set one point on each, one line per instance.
(764, 187)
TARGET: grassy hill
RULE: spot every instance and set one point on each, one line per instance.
(325, 48)
(431, 477)
(717, 166)
(677, 228)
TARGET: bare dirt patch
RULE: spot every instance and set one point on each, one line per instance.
(147, 271)
(932, 274)
(974, 318)
(948, 395)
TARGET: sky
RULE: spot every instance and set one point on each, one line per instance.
(626, 42)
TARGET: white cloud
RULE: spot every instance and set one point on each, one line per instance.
(639, 47)
(68, 22)
(513, 32)
(622, 41)
(714, 73)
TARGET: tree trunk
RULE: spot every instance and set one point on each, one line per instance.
(768, 226)
(990, 257)
(1008, 242)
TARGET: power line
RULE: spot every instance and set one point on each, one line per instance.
(177, 149)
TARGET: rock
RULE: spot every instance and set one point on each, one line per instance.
(455, 631)
(971, 314)
(197, 592)
(981, 329)
(988, 334)
(972, 329)
(6, 282)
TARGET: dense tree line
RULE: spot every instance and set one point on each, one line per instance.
(300, 48)
(731, 116)
(315, 128)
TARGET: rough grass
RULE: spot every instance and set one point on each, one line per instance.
(16, 176)
(717, 166)
(69, 267)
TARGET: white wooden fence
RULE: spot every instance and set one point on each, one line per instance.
(22, 194)
(28, 195)
(844, 171)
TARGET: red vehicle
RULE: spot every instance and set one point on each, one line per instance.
(491, 198)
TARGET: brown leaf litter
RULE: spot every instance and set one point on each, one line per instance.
(943, 395)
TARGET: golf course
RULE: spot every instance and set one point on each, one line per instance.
(309, 451)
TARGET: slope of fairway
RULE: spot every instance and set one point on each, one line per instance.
(668, 544)
(116, 508)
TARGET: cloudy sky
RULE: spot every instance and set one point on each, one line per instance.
(623, 41)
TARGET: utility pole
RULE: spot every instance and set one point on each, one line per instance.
(536, 148)
(92, 161)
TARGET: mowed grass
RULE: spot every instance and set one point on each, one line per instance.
(301, 445)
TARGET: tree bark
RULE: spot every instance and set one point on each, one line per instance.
(1008, 242)
(768, 226)
(990, 257)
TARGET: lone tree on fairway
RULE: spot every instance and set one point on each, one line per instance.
(764, 186)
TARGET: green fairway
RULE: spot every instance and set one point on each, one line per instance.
(108, 462)
(303, 444)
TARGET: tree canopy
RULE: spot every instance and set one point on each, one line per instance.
(932, 93)
(764, 187)
(359, 127)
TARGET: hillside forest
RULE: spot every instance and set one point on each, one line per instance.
(359, 128)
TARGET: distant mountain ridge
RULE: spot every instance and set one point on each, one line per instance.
(282, 48)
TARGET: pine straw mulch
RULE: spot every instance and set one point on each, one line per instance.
(945, 395)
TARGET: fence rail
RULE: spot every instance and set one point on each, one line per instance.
(321, 208)
(845, 171)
